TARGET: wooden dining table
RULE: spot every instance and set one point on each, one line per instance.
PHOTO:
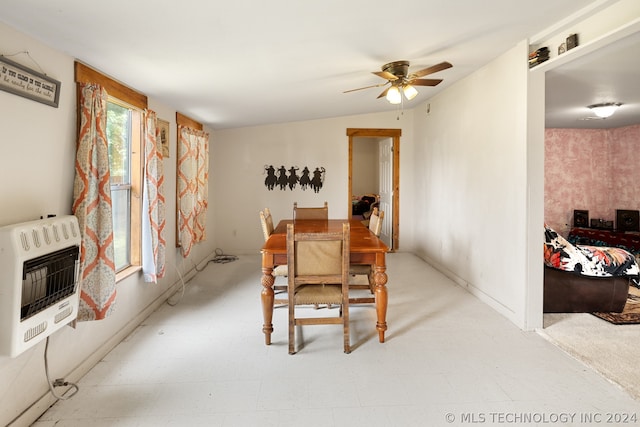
(366, 248)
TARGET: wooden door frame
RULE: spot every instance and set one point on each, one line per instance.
(381, 133)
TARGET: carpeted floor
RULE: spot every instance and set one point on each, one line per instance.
(610, 349)
(630, 314)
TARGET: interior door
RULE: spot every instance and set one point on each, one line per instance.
(392, 214)
(385, 155)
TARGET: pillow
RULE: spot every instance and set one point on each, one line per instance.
(587, 260)
(560, 254)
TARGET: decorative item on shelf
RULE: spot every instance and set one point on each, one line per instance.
(601, 224)
(538, 56)
(562, 48)
(283, 178)
(572, 41)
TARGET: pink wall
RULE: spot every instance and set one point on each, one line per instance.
(593, 169)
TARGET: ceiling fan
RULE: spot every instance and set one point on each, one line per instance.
(397, 75)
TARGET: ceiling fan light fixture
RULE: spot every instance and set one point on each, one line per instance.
(410, 92)
(393, 95)
(402, 82)
(605, 109)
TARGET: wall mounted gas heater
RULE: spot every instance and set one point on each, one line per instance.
(39, 280)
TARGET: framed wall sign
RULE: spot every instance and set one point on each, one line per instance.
(22, 81)
(162, 132)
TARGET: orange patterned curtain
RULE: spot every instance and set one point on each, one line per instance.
(92, 206)
(193, 177)
(153, 222)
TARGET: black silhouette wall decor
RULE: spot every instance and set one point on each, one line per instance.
(283, 178)
(305, 181)
(270, 180)
(317, 180)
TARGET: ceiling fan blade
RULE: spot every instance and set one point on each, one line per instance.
(384, 93)
(430, 70)
(425, 82)
(385, 75)
(366, 87)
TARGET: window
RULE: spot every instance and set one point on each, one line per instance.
(124, 138)
(124, 134)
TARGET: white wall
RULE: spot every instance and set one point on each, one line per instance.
(238, 185)
(470, 176)
(365, 177)
(36, 171)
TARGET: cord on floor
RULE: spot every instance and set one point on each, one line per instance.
(219, 258)
(60, 382)
(173, 304)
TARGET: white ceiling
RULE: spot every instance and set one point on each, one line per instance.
(242, 63)
(610, 74)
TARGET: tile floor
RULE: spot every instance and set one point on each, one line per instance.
(448, 360)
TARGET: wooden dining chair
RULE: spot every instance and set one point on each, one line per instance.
(310, 212)
(266, 222)
(318, 274)
(375, 226)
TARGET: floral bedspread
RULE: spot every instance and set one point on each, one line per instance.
(587, 260)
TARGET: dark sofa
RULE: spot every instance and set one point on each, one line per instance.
(567, 292)
(583, 279)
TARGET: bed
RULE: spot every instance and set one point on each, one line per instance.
(363, 205)
(582, 279)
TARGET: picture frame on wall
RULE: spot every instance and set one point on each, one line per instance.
(22, 81)
(162, 133)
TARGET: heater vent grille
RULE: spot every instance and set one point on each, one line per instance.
(41, 236)
(48, 279)
(25, 242)
(31, 333)
(63, 314)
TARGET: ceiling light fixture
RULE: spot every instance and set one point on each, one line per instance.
(605, 109)
(394, 94)
(410, 92)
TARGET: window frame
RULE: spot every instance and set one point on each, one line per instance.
(135, 188)
(129, 98)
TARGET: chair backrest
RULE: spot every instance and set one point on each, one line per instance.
(311, 213)
(321, 258)
(267, 223)
(375, 221)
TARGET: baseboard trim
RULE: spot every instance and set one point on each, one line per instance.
(40, 406)
(475, 291)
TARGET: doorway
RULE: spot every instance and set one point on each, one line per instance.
(393, 212)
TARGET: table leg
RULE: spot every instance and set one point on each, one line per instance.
(380, 291)
(267, 297)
